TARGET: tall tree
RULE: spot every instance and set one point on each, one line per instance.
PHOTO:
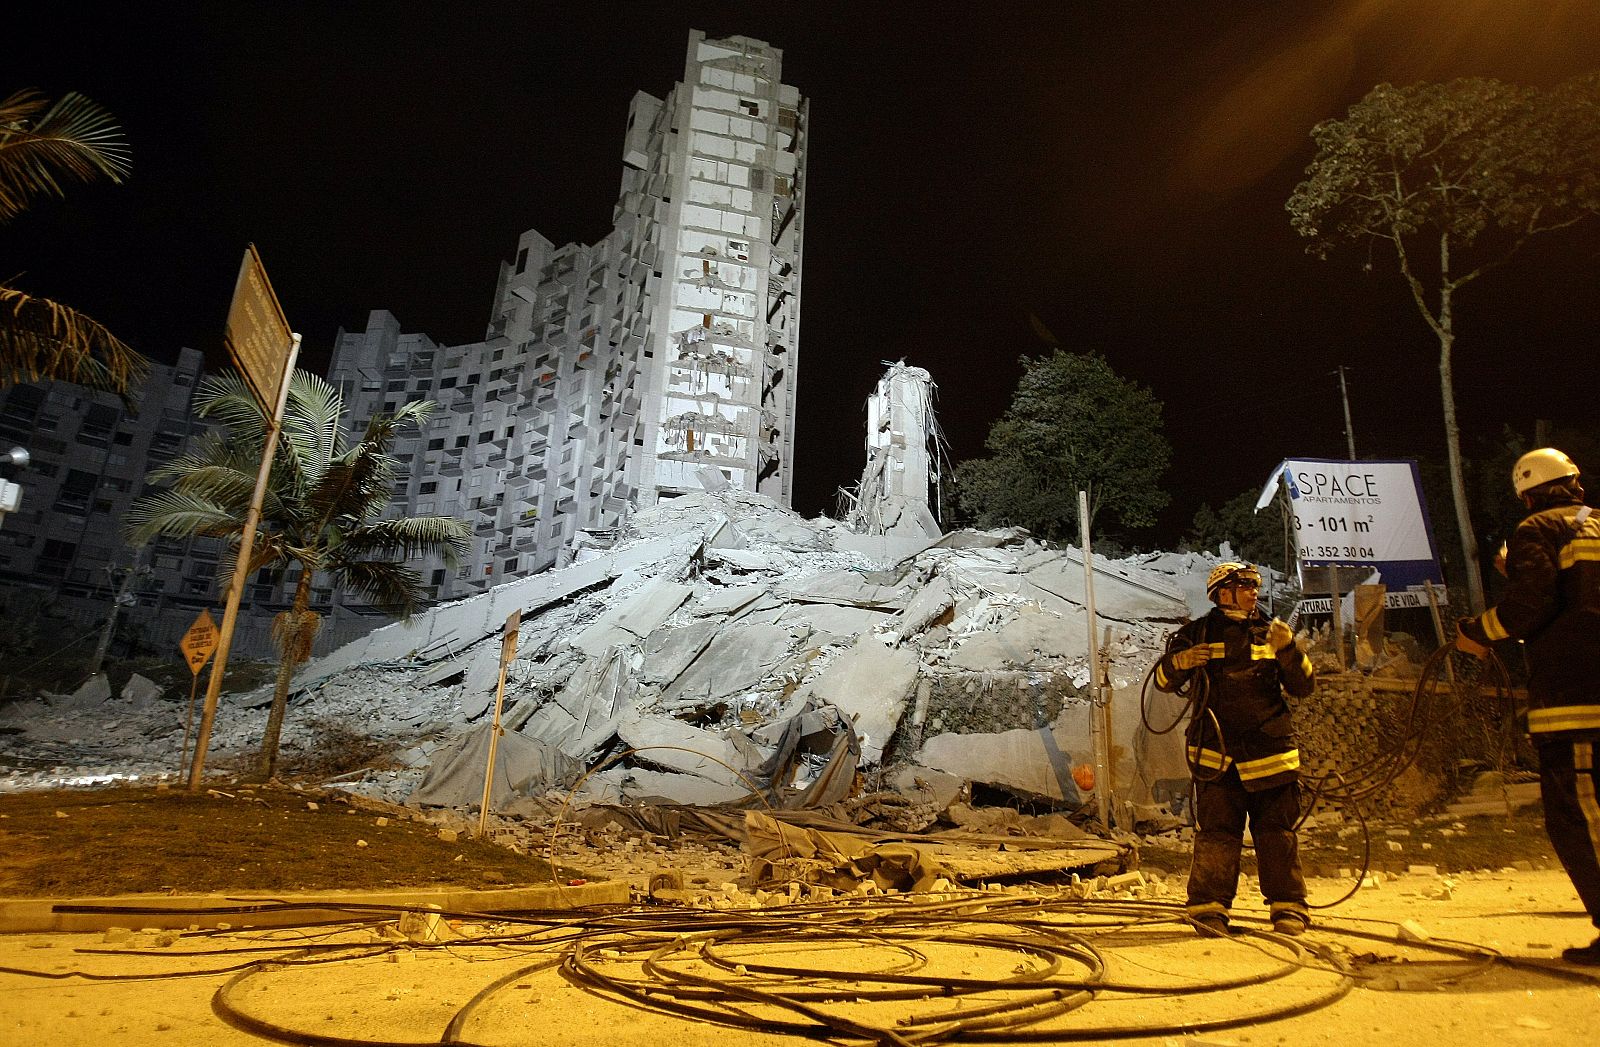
(1073, 424)
(1455, 178)
(322, 513)
(42, 146)
(1261, 537)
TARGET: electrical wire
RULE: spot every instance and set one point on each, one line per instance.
(770, 969)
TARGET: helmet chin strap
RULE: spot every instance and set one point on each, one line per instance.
(1228, 603)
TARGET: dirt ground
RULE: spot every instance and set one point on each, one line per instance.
(244, 837)
(1462, 948)
(233, 837)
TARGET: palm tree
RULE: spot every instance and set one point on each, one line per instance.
(324, 499)
(42, 146)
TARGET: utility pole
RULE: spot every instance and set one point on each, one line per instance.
(118, 602)
(1349, 430)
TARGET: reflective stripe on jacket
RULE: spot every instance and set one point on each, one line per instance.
(1552, 604)
(1243, 698)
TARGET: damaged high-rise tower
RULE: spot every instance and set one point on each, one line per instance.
(631, 369)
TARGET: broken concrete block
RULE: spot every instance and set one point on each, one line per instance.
(425, 927)
(735, 661)
(141, 690)
(725, 599)
(712, 480)
(670, 742)
(633, 617)
(870, 684)
(926, 604)
(1038, 761)
(926, 784)
(1412, 931)
(95, 690)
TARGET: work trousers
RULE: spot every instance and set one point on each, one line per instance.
(1568, 784)
(1222, 807)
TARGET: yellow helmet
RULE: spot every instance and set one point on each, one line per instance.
(1226, 573)
(1540, 467)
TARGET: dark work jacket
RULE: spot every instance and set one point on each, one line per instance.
(1552, 604)
(1245, 692)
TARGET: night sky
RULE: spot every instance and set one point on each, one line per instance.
(1116, 169)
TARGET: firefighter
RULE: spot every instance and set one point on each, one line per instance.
(1235, 666)
(1551, 604)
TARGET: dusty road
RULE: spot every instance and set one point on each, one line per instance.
(894, 972)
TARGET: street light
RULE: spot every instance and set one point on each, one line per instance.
(10, 493)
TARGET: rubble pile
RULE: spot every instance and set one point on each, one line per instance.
(720, 646)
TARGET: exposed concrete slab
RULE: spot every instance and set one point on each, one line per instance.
(455, 625)
(844, 587)
(670, 742)
(870, 684)
(634, 617)
(735, 661)
(668, 652)
(745, 559)
(1120, 592)
(1032, 637)
(580, 718)
(939, 788)
(926, 604)
(838, 620)
(886, 550)
(725, 599)
(1038, 762)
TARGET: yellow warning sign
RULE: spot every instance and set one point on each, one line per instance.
(199, 642)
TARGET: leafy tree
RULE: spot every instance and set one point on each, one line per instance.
(322, 510)
(1456, 178)
(1258, 537)
(42, 146)
(1073, 424)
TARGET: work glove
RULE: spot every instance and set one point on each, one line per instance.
(1279, 635)
(1192, 657)
(1467, 644)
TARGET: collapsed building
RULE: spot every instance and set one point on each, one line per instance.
(725, 645)
(612, 373)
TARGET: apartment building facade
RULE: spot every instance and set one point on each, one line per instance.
(613, 373)
(89, 457)
(610, 375)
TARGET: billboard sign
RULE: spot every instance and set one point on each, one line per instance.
(1359, 514)
(257, 334)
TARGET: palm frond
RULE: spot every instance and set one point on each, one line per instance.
(311, 423)
(178, 514)
(43, 340)
(409, 537)
(391, 587)
(211, 450)
(72, 140)
(226, 398)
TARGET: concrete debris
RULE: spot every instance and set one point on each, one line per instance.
(95, 691)
(140, 690)
(869, 683)
(735, 648)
